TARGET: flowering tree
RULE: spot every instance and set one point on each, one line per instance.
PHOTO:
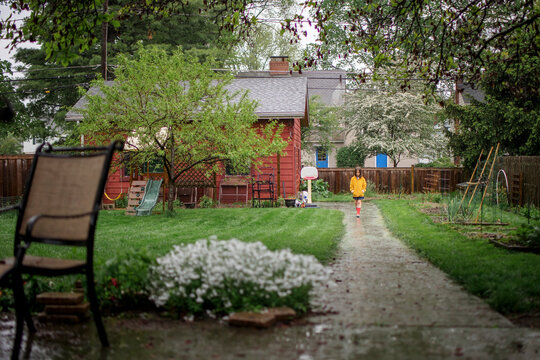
(172, 107)
(396, 124)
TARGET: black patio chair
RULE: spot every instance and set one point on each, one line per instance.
(60, 208)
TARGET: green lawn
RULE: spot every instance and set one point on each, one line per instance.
(508, 281)
(304, 231)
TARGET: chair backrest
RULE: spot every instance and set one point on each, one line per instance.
(65, 182)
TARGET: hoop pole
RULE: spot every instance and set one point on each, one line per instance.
(309, 191)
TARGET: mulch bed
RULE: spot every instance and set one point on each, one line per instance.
(529, 320)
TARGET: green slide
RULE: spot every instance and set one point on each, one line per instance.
(150, 198)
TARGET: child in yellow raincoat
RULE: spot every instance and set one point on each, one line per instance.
(358, 188)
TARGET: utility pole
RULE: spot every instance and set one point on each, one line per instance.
(104, 34)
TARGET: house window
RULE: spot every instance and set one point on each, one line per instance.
(322, 155)
(37, 141)
(154, 166)
(126, 160)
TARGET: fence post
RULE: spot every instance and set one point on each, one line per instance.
(412, 179)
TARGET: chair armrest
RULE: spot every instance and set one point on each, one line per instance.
(34, 219)
(10, 207)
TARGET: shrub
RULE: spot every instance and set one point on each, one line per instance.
(443, 162)
(320, 187)
(225, 276)
(121, 202)
(122, 280)
(353, 155)
(206, 202)
(529, 211)
(528, 235)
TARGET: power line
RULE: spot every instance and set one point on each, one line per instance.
(48, 78)
(44, 90)
(58, 68)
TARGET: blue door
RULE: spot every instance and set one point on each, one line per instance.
(382, 161)
(322, 158)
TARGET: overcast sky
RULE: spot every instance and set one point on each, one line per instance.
(5, 54)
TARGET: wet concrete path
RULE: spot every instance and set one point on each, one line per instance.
(388, 304)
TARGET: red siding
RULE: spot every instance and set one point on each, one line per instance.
(290, 166)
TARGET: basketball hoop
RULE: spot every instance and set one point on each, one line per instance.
(309, 173)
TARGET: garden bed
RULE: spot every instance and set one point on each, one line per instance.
(515, 246)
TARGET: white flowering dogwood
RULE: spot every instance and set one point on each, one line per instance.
(224, 276)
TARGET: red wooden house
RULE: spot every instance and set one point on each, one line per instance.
(281, 96)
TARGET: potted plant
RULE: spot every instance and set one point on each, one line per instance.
(289, 202)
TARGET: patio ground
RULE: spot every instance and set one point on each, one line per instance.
(388, 304)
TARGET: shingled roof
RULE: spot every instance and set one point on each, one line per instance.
(277, 97)
(468, 93)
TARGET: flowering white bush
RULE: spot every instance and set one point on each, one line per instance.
(226, 276)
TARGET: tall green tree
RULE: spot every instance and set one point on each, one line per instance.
(432, 39)
(10, 145)
(17, 123)
(323, 125)
(253, 53)
(173, 107)
(352, 155)
(509, 114)
(48, 90)
(397, 124)
(67, 28)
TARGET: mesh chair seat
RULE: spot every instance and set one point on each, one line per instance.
(5, 268)
(48, 264)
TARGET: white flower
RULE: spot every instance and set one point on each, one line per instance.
(207, 269)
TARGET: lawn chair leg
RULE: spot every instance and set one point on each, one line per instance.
(19, 327)
(94, 306)
(22, 314)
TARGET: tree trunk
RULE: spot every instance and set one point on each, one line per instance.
(170, 195)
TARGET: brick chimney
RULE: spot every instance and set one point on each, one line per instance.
(279, 65)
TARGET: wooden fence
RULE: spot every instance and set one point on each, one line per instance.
(396, 179)
(14, 171)
(523, 178)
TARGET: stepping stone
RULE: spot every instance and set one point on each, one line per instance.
(251, 319)
(283, 313)
(71, 319)
(58, 298)
(78, 287)
(79, 309)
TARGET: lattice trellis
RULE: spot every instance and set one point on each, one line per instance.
(196, 177)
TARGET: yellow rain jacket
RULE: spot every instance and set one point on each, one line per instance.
(358, 186)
